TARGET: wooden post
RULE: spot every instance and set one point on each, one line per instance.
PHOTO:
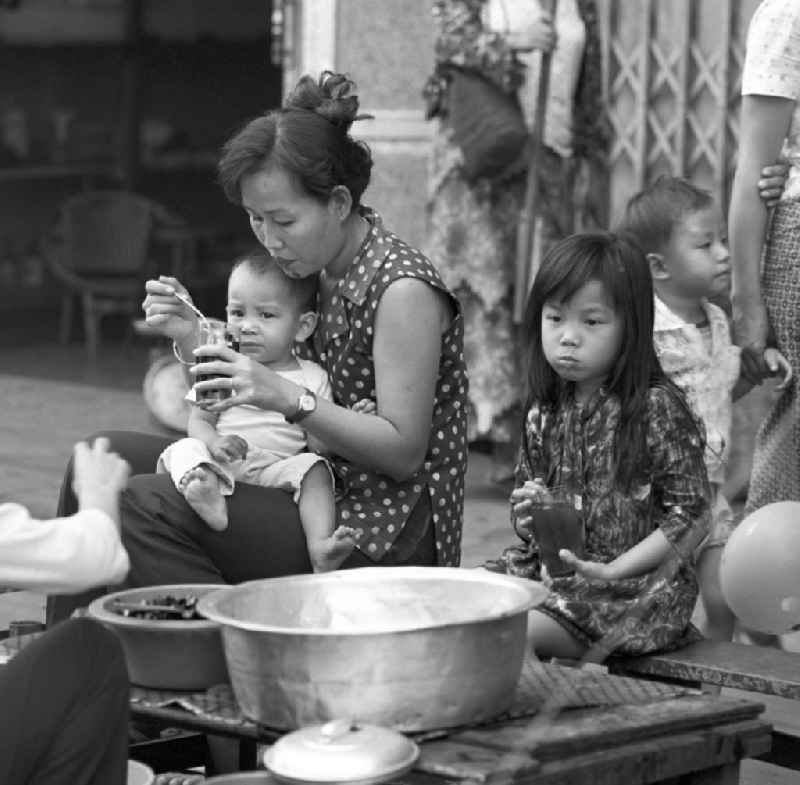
(530, 223)
(642, 99)
(683, 90)
(131, 98)
(724, 173)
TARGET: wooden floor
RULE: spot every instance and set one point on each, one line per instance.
(53, 397)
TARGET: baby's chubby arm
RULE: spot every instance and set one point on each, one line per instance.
(223, 448)
(365, 406)
(228, 448)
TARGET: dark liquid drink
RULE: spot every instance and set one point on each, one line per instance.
(215, 395)
(556, 526)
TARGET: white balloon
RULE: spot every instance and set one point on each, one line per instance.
(760, 568)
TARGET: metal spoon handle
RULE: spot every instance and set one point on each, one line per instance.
(186, 301)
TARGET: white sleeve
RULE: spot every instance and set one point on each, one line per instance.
(324, 387)
(61, 555)
(315, 377)
(772, 61)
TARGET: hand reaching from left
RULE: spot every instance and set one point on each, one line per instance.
(99, 476)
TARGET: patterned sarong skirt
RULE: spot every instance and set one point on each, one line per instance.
(776, 461)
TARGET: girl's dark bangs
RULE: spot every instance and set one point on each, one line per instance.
(571, 272)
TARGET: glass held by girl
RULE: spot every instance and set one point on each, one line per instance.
(603, 421)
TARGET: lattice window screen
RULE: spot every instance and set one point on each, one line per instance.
(672, 76)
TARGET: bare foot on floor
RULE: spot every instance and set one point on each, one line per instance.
(329, 552)
(200, 488)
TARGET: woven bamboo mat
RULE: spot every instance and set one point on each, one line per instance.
(577, 688)
(217, 703)
(557, 686)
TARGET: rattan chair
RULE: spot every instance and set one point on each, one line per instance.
(101, 253)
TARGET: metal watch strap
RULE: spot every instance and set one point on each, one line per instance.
(301, 412)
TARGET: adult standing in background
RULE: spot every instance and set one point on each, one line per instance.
(764, 250)
(473, 225)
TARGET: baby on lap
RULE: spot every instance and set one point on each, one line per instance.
(248, 444)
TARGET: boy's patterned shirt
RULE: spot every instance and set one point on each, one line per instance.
(707, 377)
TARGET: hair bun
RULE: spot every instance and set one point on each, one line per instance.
(332, 96)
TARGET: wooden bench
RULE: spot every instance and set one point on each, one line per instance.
(753, 668)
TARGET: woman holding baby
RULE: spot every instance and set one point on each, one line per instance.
(388, 331)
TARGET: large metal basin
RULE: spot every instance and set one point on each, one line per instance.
(414, 648)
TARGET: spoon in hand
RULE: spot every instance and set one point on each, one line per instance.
(186, 301)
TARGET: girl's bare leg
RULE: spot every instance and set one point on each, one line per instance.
(719, 621)
(549, 639)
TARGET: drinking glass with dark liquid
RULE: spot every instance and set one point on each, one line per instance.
(215, 333)
(557, 524)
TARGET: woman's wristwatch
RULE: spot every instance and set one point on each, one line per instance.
(306, 403)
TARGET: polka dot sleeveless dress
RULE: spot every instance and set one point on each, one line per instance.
(375, 504)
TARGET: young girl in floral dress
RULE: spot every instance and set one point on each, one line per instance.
(605, 422)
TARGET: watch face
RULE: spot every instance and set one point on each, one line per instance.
(306, 404)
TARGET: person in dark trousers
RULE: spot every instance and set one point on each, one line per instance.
(64, 696)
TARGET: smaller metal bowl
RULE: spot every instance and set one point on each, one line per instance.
(171, 654)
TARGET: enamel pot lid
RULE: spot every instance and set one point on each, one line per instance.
(341, 751)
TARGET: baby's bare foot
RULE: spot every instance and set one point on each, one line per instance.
(328, 553)
(200, 488)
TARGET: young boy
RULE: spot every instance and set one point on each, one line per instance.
(248, 444)
(680, 229)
